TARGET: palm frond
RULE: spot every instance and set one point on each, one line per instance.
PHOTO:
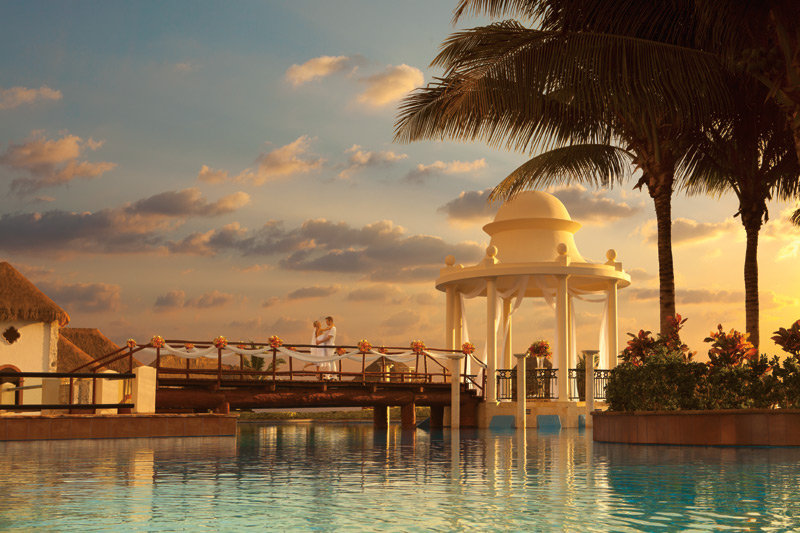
(597, 165)
(795, 218)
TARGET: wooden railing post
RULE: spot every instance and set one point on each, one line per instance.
(274, 362)
(130, 360)
(291, 374)
(364, 368)
(219, 367)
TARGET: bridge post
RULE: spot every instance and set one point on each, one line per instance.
(408, 416)
(380, 416)
(437, 416)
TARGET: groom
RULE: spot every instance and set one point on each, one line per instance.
(329, 340)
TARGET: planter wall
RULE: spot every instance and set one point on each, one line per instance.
(734, 427)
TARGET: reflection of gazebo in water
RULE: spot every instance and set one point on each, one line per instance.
(532, 254)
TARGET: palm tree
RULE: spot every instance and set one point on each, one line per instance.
(547, 88)
(751, 153)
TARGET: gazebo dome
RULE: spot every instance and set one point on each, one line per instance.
(529, 227)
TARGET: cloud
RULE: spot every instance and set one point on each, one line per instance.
(51, 162)
(288, 160)
(469, 207)
(84, 297)
(17, 96)
(378, 294)
(188, 202)
(404, 320)
(176, 299)
(171, 300)
(779, 229)
(380, 251)
(593, 206)
(422, 172)
(305, 293)
(640, 274)
(687, 232)
(360, 159)
(319, 67)
(269, 302)
(186, 66)
(136, 227)
(689, 296)
(288, 327)
(209, 175)
(390, 85)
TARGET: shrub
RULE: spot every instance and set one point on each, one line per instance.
(658, 374)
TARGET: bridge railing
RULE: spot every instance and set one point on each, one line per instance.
(275, 364)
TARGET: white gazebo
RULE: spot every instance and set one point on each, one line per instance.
(532, 254)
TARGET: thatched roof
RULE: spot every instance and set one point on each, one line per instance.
(21, 300)
(96, 345)
(392, 367)
(70, 356)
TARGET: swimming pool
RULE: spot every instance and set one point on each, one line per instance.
(348, 477)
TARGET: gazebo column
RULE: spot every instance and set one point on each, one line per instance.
(491, 339)
(507, 357)
(522, 393)
(611, 321)
(449, 317)
(562, 336)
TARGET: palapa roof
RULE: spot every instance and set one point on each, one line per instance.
(96, 345)
(21, 300)
(70, 356)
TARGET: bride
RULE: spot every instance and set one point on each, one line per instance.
(317, 339)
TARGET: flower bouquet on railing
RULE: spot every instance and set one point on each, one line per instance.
(340, 351)
(364, 346)
(540, 348)
(418, 347)
(188, 346)
(468, 348)
(157, 341)
(275, 342)
(131, 344)
(220, 342)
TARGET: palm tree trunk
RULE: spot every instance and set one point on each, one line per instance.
(752, 228)
(662, 197)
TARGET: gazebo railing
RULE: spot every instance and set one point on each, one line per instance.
(545, 384)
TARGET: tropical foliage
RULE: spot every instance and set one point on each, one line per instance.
(657, 376)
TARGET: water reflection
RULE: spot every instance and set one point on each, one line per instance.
(288, 476)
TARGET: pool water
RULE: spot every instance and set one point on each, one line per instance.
(349, 477)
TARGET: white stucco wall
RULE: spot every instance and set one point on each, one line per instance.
(35, 351)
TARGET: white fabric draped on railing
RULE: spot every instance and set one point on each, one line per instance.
(148, 355)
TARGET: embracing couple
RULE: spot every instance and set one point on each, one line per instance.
(324, 337)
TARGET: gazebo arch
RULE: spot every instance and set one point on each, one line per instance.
(532, 254)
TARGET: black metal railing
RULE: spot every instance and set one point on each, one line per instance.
(69, 380)
(542, 383)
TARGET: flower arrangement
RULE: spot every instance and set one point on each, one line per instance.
(220, 342)
(364, 346)
(340, 351)
(540, 348)
(189, 346)
(131, 344)
(157, 341)
(417, 347)
(382, 349)
(275, 342)
(468, 348)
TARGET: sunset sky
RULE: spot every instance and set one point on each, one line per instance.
(192, 169)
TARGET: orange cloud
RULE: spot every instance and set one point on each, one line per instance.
(318, 67)
(51, 162)
(390, 85)
(17, 96)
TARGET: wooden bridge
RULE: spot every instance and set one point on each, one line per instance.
(234, 377)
